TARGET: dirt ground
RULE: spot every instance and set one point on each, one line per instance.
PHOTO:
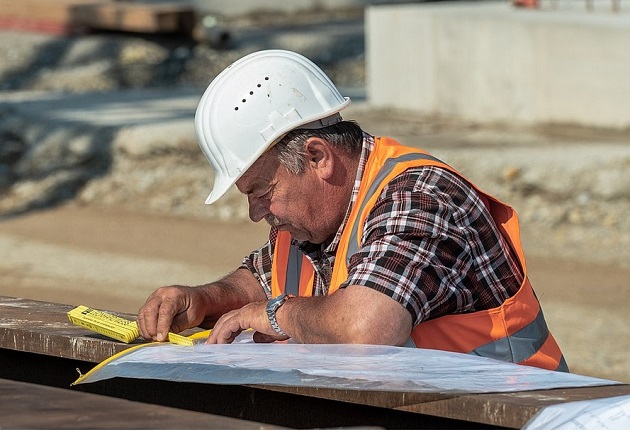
(113, 259)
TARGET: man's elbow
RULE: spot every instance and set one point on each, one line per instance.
(376, 334)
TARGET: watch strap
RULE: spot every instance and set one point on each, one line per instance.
(272, 306)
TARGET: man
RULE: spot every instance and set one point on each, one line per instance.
(370, 242)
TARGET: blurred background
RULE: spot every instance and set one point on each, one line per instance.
(102, 183)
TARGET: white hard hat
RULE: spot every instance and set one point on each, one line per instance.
(253, 103)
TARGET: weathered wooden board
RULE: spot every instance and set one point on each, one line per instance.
(33, 406)
(508, 410)
(52, 16)
(137, 17)
(72, 16)
(43, 328)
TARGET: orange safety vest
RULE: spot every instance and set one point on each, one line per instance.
(291, 271)
(516, 331)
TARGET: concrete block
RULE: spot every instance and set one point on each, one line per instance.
(491, 62)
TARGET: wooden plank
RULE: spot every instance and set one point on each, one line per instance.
(43, 328)
(508, 410)
(52, 10)
(137, 17)
(50, 16)
(98, 14)
(33, 406)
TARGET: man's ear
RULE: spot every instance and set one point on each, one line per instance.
(320, 157)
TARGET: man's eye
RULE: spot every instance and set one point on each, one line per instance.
(268, 194)
(265, 195)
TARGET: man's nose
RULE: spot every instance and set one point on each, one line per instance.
(257, 208)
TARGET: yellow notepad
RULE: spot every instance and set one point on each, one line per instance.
(115, 327)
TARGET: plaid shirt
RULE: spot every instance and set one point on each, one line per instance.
(429, 243)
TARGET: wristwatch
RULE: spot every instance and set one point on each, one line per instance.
(272, 307)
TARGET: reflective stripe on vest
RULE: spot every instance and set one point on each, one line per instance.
(521, 346)
(292, 272)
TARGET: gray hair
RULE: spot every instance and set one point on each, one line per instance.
(345, 135)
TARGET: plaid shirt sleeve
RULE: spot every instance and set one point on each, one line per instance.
(259, 262)
(431, 245)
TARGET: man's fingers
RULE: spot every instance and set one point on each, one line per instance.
(155, 317)
(165, 319)
(226, 328)
(231, 324)
(147, 318)
(224, 332)
(259, 337)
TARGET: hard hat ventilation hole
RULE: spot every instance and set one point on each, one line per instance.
(251, 93)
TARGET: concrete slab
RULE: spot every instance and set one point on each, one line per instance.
(490, 62)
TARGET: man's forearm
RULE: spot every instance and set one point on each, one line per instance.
(351, 315)
(229, 293)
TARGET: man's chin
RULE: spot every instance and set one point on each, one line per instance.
(295, 234)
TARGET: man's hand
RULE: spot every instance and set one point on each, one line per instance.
(173, 308)
(252, 316)
(176, 308)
